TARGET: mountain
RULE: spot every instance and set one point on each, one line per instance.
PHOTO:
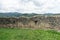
(16, 14)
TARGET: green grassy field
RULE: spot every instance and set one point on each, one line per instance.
(28, 34)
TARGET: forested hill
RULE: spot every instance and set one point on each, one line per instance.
(15, 14)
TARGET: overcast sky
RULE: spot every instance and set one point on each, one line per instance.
(30, 6)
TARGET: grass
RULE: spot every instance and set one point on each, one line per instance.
(28, 34)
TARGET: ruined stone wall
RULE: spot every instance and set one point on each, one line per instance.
(33, 22)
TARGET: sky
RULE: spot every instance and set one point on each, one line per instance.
(30, 6)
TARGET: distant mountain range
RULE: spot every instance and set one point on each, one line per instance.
(16, 14)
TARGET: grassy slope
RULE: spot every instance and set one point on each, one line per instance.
(28, 34)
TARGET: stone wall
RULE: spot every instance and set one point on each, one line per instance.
(33, 22)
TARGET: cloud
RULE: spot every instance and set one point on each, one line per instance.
(29, 6)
